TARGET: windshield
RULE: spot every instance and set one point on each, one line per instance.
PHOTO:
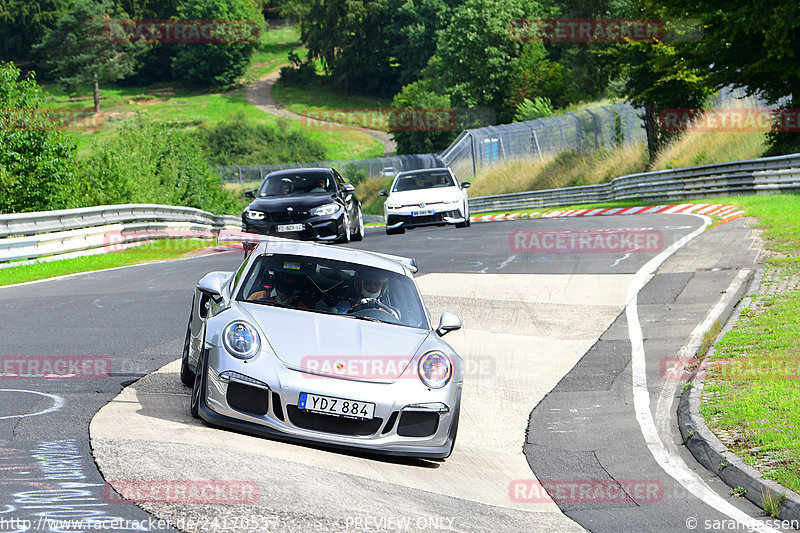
(334, 287)
(296, 184)
(423, 180)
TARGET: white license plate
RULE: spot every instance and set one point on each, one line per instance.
(422, 213)
(290, 227)
(336, 406)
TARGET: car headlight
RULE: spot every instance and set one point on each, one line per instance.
(327, 209)
(254, 215)
(435, 369)
(452, 201)
(392, 206)
(241, 340)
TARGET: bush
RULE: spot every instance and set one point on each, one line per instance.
(151, 162)
(215, 63)
(418, 100)
(238, 141)
(37, 162)
(354, 174)
(530, 110)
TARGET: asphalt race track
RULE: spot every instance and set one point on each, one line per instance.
(566, 388)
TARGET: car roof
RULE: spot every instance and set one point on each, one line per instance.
(291, 171)
(423, 171)
(277, 245)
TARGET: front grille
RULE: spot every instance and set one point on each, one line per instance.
(332, 424)
(285, 216)
(428, 219)
(247, 399)
(418, 424)
(277, 406)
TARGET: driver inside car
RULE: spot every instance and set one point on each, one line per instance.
(283, 292)
(373, 295)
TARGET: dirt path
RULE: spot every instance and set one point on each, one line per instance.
(258, 94)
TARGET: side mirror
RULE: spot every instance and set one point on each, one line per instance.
(212, 283)
(383, 192)
(349, 187)
(448, 322)
(466, 185)
(250, 194)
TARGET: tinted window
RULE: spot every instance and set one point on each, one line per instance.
(296, 184)
(423, 180)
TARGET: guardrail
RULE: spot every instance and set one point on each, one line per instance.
(73, 232)
(769, 174)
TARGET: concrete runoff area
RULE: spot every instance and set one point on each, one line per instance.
(146, 433)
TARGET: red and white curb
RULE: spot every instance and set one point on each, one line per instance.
(724, 211)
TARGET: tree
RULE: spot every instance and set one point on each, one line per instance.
(77, 51)
(37, 162)
(418, 106)
(24, 23)
(750, 44)
(215, 63)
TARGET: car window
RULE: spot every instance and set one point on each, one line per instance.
(295, 184)
(333, 287)
(423, 180)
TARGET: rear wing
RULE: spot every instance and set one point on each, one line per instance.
(409, 262)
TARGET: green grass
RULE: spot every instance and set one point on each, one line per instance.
(317, 100)
(157, 251)
(191, 107)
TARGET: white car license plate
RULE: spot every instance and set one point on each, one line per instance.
(424, 212)
(290, 227)
(336, 406)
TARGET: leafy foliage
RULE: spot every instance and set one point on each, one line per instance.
(210, 64)
(530, 110)
(151, 162)
(418, 99)
(24, 23)
(37, 162)
(238, 140)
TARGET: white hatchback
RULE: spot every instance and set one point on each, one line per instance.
(427, 197)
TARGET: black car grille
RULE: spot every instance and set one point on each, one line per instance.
(428, 219)
(248, 399)
(332, 424)
(417, 424)
(287, 216)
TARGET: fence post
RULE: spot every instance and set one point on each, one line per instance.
(472, 151)
(536, 140)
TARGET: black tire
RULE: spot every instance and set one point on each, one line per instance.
(461, 224)
(359, 234)
(187, 376)
(395, 231)
(468, 221)
(199, 388)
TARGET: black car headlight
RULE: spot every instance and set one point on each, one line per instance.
(435, 369)
(241, 340)
(327, 209)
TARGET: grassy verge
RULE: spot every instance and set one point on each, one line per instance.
(191, 107)
(318, 101)
(157, 251)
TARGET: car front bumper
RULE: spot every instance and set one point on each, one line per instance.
(324, 227)
(269, 408)
(405, 218)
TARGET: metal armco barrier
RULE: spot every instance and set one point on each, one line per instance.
(769, 174)
(74, 232)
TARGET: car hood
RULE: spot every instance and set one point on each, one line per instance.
(425, 195)
(299, 203)
(337, 345)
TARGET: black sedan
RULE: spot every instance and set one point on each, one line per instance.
(305, 203)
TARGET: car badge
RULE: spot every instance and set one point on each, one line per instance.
(339, 366)
(422, 205)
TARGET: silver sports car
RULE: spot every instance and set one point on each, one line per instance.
(323, 344)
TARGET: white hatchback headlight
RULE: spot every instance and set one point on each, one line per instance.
(435, 369)
(327, 209)
(241, 340)
(254, 215)
(452, 201)
(392, 206)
